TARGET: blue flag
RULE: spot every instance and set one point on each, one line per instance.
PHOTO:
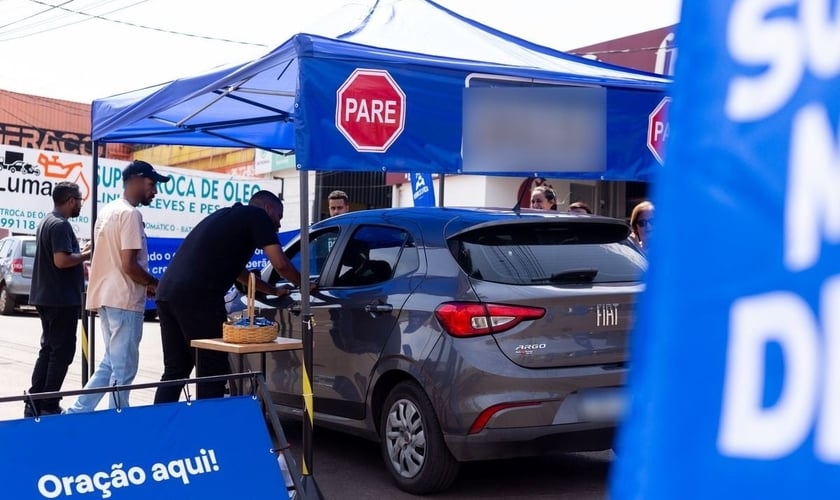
(735, 374)
(422, 189)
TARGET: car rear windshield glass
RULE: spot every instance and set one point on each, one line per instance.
(28, 249)
(561, 253)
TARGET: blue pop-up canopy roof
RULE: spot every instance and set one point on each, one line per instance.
(287, 99)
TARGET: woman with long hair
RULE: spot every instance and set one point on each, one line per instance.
(641, 222)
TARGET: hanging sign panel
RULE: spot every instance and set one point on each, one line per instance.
(535, 129)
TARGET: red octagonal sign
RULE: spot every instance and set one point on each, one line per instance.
(658, 129)
(370, 111)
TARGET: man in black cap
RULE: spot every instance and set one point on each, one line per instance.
(119, 284)
(190, 296)
(143, 170)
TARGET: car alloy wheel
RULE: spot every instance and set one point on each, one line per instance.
(412, 442)
(406, 440)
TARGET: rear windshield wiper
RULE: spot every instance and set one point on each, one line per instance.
(570, 276)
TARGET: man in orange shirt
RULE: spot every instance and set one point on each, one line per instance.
(119, 283)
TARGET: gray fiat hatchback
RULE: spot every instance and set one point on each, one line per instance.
(452, 335)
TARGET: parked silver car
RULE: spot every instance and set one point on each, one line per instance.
(17, 257)
(452, 335)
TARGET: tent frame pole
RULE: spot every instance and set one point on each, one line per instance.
(88, 322)
(310, 487)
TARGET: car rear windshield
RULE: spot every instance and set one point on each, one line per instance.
(28, 249)
(555, 253)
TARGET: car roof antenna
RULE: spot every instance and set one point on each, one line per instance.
(525, 186)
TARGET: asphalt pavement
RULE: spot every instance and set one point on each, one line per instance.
(345, 467)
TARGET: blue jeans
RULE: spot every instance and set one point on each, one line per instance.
(121, 331)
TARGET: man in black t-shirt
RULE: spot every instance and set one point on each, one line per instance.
(57, 284)
(190, 295)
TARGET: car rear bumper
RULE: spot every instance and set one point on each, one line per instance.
(18, 285)
(491, 444)
(492, 408)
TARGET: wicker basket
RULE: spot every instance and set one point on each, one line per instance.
(249, 334)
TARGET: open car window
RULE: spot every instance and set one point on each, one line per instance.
(321, 244)
(373, 255)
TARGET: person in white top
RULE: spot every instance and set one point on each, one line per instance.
(119, 284)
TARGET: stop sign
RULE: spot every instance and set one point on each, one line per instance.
(658, 129)
(370, 111)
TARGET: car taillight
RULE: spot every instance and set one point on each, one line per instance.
(469, 319)
(17, 266)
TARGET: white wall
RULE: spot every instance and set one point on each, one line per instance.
(291, 198)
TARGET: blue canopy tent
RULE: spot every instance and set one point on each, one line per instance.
(287, 101)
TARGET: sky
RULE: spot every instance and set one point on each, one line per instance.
(80, 50)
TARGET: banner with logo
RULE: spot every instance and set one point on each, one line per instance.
(162, 451)
(28, 175)
(422, 189)
(734, 375)
(404, 120)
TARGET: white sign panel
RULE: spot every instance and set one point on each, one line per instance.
(27, 177)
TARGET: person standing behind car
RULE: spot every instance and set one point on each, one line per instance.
(191, 293)
(580, 207)
(543, 198)
(641, 222)
(119, 283)
(338, 203)
(57, 284)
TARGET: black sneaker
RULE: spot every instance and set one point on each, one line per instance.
(29, 411)
(56, 410)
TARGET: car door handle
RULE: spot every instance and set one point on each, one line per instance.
(379, 308)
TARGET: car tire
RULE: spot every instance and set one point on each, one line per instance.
(7, 301)
(412, 443)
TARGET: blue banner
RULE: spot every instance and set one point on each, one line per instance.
(422, 189)
(163, 451)
(735, 381)
(427, 118)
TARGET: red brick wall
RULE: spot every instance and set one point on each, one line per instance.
(35, 122)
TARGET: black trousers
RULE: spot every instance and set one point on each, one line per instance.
(58, 347)
(179, 324)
